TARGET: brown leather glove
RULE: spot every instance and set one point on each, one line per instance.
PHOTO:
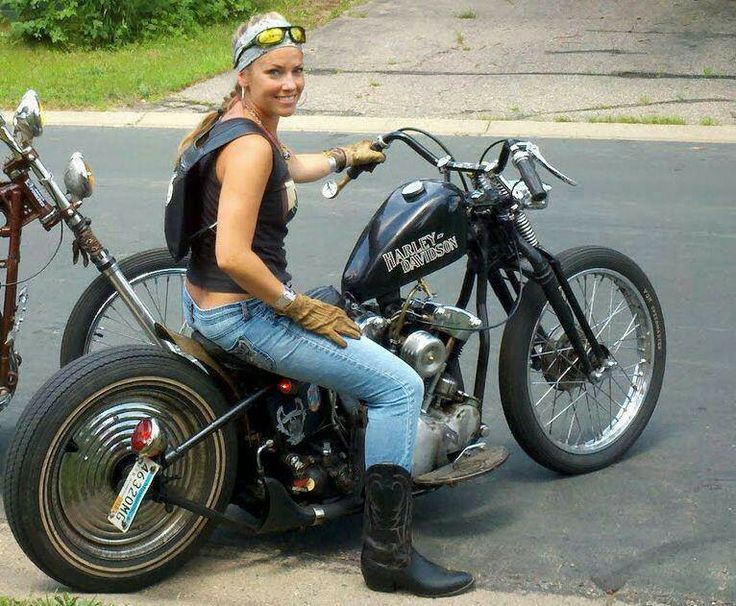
(356, 154)
(322, 318)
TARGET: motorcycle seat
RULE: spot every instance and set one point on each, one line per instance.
(220, 355)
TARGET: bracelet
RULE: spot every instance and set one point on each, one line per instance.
(287, 297)
(337, 156)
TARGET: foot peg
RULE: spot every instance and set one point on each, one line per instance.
(472, 462)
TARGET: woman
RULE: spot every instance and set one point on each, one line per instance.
(237, 295)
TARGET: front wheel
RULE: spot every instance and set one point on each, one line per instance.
(71, 455)
(560, 418)
(100, 319)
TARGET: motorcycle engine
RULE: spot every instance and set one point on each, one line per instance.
(442, 432)
(448, 422)
(450, 418)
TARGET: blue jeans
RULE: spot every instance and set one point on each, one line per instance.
(391, 389)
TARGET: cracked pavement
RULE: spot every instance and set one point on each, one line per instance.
(517, 59)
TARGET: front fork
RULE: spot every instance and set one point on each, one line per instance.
(548, 273)
(90, 247)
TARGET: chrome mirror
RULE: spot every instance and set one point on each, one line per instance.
(28, 121)
(79, 178)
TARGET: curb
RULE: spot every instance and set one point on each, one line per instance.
(446, 127)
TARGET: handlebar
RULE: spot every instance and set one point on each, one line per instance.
(523, 162)
(523, 155)
(331, 189)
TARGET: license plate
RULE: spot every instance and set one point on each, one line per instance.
(129, 500)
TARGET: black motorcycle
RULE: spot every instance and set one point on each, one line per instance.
(127, 458)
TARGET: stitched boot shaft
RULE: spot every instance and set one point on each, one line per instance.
(387, 516)
(389, 562)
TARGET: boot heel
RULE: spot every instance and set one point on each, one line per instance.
(378, 579)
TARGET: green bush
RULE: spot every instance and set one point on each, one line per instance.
(101, 23)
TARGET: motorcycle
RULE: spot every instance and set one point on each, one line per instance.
(127, 458)
(122, 304)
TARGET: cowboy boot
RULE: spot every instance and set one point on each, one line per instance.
(388, 561)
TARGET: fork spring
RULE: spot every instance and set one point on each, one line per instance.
(525, 228)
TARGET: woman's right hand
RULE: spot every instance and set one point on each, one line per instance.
(322, 318)
(361, 153)
(356, 154)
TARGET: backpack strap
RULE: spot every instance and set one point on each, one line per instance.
(184, 204)
(223, 133)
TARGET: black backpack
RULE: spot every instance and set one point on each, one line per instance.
(184, 199)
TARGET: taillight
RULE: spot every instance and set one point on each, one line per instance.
(286, 386)
(148, 439)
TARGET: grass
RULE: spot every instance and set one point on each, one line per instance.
(653, 119)
(708, 72)
(466, 14)
(460, 41)
(53, 600)
(145, 72)
(708, 121)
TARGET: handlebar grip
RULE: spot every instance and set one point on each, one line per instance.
(528, 173)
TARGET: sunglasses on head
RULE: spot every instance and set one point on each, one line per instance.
(275, 35)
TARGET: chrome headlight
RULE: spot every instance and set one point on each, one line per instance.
(79, 178)
(28, 119)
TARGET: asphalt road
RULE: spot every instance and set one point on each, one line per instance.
(660, 524)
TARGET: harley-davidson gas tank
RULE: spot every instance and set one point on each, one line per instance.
(419, 229)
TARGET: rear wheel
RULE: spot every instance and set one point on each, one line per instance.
(100, 319)
(560, 418)
(71, 454)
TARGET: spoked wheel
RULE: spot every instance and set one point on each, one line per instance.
(563, 420)
(72, 453)
(100, 319)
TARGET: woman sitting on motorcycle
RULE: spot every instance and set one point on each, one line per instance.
(237, 292)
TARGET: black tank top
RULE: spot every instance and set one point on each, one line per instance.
(278, 207)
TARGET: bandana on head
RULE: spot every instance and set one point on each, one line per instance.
(255, 51)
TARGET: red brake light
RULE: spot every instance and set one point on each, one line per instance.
(142, 435)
